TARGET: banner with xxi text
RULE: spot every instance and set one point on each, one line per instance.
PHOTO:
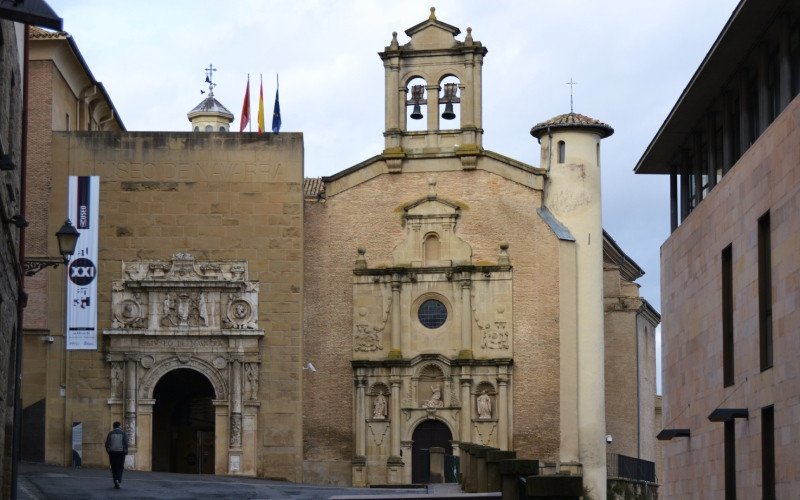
(84, 202)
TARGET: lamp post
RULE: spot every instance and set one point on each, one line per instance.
(67, 238)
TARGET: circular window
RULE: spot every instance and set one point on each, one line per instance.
(432, 314)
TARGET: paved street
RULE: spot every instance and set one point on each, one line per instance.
(47, 482)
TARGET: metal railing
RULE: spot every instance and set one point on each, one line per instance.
(630, 468)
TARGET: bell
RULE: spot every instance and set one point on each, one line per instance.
(448, 111)
(416, 113)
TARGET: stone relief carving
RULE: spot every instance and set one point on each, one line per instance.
(486, 430)
(236, 430)
(116, 380)
(383, 431)
(369, 337)
(128, 313)
(436, 398)
(494, 335)
(240, 314)
(251, 380)
(184, 309)
(173, 342)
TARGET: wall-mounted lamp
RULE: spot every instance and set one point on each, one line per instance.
(67, 238)
(725, 414)
(667, 434)
(19, 221)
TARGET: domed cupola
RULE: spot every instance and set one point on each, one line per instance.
(210, 115)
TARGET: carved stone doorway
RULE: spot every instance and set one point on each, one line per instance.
(183, 423)
(428, 434)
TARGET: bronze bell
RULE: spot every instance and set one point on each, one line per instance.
(448, 111)
(416, 113)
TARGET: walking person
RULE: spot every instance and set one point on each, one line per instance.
(117, 448)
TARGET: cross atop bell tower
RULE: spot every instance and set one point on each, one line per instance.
(436, 78)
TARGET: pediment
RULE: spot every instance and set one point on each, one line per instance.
(433, 34)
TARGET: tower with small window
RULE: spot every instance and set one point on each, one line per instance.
(433, 93)
(210, 115)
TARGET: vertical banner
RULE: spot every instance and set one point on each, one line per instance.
(84, 202)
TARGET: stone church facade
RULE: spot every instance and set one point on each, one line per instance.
(443, 293)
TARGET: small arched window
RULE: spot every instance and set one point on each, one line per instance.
(222, 129)
(562, 152)
(197, 129)
(209, 128)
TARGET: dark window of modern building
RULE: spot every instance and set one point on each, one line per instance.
(730, 460)
(735, 134)
(727, 316)
(773, 100)
(752, 111)
(764, 292)
(768, 453)
(562, 152)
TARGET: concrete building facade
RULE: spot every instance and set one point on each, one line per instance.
(730, 267)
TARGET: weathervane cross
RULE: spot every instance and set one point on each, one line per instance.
(210, 73)
(571, 84)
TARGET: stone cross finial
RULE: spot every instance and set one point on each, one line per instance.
(432, 190)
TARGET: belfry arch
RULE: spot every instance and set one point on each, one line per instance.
(192, 320)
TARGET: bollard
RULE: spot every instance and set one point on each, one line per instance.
(511, 471)
(561, 487)
(481, 476)
(493, 478)
(463, 458)
(437, 465)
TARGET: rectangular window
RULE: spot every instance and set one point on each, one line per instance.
(730, 460)
(66, 122)
(764, 292)
(727, 316)
(768, 453)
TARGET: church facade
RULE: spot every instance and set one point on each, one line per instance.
(442, 293)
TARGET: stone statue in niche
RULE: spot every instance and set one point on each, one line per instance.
(484, 406)
(379, 409)
(436, 398)
(116, 380)
(251, 375)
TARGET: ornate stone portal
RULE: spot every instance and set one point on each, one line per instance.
(184, 313)
(431, 340)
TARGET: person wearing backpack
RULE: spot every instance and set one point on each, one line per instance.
(117, 448)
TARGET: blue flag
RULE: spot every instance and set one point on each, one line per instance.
(276, 115)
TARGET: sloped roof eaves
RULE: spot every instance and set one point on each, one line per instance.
(629, 269)
(40, 34)
(313, 187)
(745, 26)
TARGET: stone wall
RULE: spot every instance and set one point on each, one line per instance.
(215, 196)
(764, 178)
(368, 213)
(10, 269)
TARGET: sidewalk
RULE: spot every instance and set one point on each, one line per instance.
(48, 482)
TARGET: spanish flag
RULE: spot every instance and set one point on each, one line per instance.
(245, 108)
(261, 108)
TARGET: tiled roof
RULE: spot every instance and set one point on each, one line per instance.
(211, 105)
(572, 120)
(37, 32)
(313, 186)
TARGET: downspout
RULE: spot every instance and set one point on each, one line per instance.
(549, 149)
(106, 120)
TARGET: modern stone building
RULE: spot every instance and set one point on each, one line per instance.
(730, 268)
(442, 293)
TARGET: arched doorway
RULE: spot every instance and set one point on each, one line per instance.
(183, 423)
(428, 434)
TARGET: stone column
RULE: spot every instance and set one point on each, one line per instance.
(394, 411)
(236, 404)
(130, 399)
(360, 427)
(466, 318)
(395, 352)
(502, 413)
(466, 411)
(395, 462)
(433, 106)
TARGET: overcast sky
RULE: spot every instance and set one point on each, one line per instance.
(630, 58)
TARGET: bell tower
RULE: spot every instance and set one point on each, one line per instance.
(434, 78)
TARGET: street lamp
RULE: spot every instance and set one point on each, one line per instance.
(67, 238)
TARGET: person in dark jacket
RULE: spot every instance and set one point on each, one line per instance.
(117, 448)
